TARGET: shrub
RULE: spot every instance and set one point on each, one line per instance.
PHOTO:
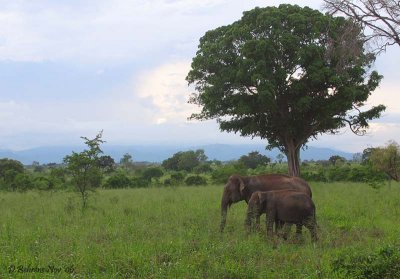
(139, 182)
(384, 264)
(177, 178)
(195, 180)
(118, 180)
(152, 172)
(221, 174)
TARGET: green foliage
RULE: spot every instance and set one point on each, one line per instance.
(185, 160)
(176, 178)
(278, 74)
(118, 180)
(222, 173)
(203, 168)
(152, 172)
(126, 161)
(380, 265)
(139, 182)
(106, 163)
(84, 167)
(195, 180)
(9, 169)
(343, 172)
(254, 159)
(22, 182)
(336, 159)
(387, 159)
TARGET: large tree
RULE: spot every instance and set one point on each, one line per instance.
(278, 74)
(382, 17)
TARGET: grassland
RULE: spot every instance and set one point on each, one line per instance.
(173, 233)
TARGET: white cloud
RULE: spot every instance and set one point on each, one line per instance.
(168, 92)
(111, 31)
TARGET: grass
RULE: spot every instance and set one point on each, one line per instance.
(173, 233)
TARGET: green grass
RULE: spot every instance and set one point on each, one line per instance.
(173, 233)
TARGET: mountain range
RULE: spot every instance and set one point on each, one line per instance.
(158, 153)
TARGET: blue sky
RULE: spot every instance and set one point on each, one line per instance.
(72, 68)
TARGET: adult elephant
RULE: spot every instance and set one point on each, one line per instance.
(240, 188)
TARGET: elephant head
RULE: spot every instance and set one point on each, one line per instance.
(234, 191)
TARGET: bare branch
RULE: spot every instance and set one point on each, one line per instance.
(382, 17)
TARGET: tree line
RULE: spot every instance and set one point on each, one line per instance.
(90, 170)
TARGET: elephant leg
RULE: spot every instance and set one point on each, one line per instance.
(248, 222)
(278, 225)
(286, 230)
(269, 224)
(258, 227)
(311, 225)
(298, 230)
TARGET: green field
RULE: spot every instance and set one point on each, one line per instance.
(173, 233)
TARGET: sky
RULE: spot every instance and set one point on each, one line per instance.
(73, 68)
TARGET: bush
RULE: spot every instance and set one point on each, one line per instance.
(221, 174)
(177, 178)
(139, 182)
(22, 182)
(384, 264)
(118, 180)
(195, 180)
(152, 172)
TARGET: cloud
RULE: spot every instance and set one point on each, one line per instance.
(167, 90)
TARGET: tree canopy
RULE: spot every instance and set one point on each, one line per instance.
(387, 159)
(185, 160)
(277, 74)
(254, 159)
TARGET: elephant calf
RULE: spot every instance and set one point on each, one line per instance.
(288, 206)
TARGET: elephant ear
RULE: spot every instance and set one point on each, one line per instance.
(242, 186)
(261, 197)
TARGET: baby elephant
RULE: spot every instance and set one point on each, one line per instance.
(288, 206)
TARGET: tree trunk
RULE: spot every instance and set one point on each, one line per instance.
(293, 157)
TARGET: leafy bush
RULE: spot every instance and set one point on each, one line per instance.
(118, 180)
(221, 174)
(152, 172)
(314, 176)
(22, 182)
(177, 178)
(195, 180)
(203, 168)
(139, 182)
(384, 264)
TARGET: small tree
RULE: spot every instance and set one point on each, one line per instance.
(336, 159)
(84, 167)
(387, 159)
(126, 161)
(7, 165)
(107, 163)
(254, 159)
(152, 172)
(185, 160)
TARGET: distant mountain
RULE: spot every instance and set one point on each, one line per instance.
(158, 153)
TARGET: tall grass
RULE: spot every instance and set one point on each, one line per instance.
(173, 233)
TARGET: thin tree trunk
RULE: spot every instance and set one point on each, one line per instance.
(293, 157)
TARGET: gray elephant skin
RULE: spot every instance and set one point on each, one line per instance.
(288, 206)
(239, 188)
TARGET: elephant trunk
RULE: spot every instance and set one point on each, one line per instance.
(225, 203)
